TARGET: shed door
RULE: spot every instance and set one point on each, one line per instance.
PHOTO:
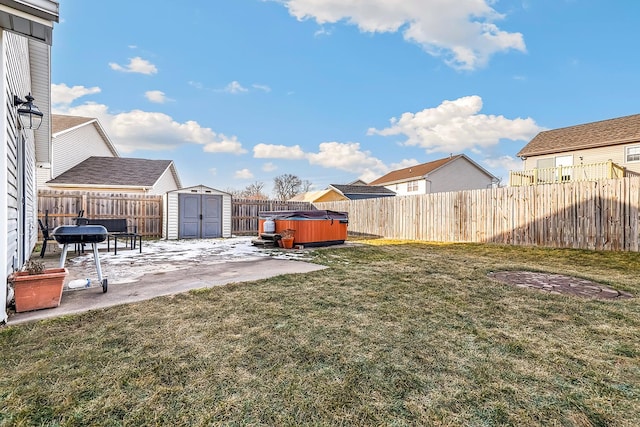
(211, 216)
(189, 218)
(200, 216)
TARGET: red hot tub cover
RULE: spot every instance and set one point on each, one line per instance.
(317, 214)
(312, 228)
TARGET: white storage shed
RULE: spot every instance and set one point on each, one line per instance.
(197, 212)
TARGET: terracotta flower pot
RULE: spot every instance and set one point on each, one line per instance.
(287, 242)
(37, 291)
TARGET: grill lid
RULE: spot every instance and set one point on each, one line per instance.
(80, 234)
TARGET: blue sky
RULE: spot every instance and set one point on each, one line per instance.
(238, 92)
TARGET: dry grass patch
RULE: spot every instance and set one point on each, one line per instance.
(409, 334)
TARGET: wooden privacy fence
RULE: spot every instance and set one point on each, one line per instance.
(143, 211)
(245, 212)
(600, 215)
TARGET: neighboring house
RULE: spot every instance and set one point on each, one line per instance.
(121, 174)
(26, 28)
(328, 195)
(359, 191)
(453, 173)
(73, 140)
(590, 151)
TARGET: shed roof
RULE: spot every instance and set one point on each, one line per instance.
(620, 130)
(115, 171)
(362, 189)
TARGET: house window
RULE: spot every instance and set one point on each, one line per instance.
(633, 154)
(412, 186)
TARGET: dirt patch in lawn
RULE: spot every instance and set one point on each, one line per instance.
(559, 284)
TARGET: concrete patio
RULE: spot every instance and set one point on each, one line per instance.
(161, 270)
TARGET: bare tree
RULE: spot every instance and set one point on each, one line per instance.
(306, 186)
(254, 191)
(286, 186)
(235, 193)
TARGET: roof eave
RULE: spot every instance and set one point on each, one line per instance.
(524, 153)
(65, 185)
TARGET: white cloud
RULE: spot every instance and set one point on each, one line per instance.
(62, 94)
(224, 144)
(405, 163)
(136, 65)
(335, 155)
(506, 163)
(156, 96)
(322, 32)
(345, 156)
(269, 167)
(195, 84)
(263, 88)
(270, 151)
(213, 171)
(455, 126)
(143, 130)
(235, 87)
(243, 174)
(462, 31)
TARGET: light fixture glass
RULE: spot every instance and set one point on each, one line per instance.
(29, 114)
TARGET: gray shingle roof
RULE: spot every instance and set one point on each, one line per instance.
(589, 135)
(361, 189)
(116, 171)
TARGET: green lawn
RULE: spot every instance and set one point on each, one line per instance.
(390, 334)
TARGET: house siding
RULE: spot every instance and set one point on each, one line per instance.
(18, 161)
(25, 69)
(40, 57)
(402, 188)
(21, 233)
(457, 176)
(72, 148)
(165, 183)
(615, 153)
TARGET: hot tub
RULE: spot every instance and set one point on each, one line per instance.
(312, 228)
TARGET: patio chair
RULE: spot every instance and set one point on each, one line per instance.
(45, 235)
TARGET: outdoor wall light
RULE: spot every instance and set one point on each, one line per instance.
(29, 114)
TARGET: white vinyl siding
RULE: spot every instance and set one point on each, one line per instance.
(402, 189)
(25, 69)
(21, 200)
(413, 186)
(165, 183)
(72, 148)
(39, 55)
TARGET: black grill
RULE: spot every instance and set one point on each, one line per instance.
(81, 234)
(66, 234)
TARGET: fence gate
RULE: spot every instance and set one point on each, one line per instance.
(200, 216)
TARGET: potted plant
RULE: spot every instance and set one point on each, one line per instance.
(287, 238)
(36, 287)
